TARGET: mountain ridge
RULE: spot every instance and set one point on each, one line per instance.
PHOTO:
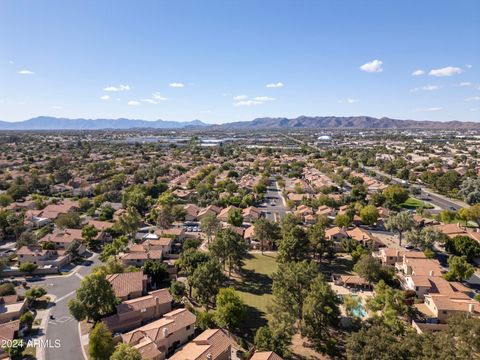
(54, 123)
(347, 122)
(300, 122)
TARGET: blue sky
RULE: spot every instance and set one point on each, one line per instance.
(213, 59)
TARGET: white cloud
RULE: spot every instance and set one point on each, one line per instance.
(430, 109)
(105, 97)
(352, 101)
(133, 103)
(469, 84)
(275, 85)
(468, 66)
(426, 88)
(158, 97)
(240, 97)
(418, 72)
(263, 98)
(473, 98)
(56, 107)
(26, 72)
(247, 103)
(176, 85)
(117, 88)
(446, 71)
(149, 101)
(373, 66)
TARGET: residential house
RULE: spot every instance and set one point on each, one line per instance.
(223, 214)
(129, 285)
(210, 209)
(62, 238)
(212, 344)
(42, 257)
(265, 355)
(440, 307)
(251, 214)
(11, 308)
(162, 337)
(137, 312)
(191, 212)
(8, 332)
(390, 256)
(102, 227)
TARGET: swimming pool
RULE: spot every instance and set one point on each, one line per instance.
(358, 311)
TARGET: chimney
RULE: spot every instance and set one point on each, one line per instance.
(431, 273)
(471, 307)
(165, 332)
(209, 356)
(157, 306)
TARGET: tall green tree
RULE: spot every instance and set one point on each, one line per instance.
(266, 232)
(235, 217)
(229, 248)
(291, 284)
(95, 298)
(207, 279)
(210, 225)
(320, 315)
(400, 223)
(294, 245)
(100, 342)
(230, 310)
(459, 269)
(319, 244)
(126, 352)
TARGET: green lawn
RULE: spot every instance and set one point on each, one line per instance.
(255, 289)
(413, 203)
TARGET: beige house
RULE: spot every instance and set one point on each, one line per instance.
(441, 307)
(8, 332)
(128, 285)
(212, 344)
(265, 355)
(42, 257)
(11, 308)
(162, 337)
(62, 238)
(390, 256)
(134, 313)
(251, 213)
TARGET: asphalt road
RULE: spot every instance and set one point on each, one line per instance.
(438, 200)
(274, 208)
(63, 327)
(427, 195)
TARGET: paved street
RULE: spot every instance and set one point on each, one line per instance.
(63, 326)
(274, 208)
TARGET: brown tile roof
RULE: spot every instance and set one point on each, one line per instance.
(65, 236)
(170, 322)
(163, 295)
(265, 355)
(212, 342)
(7, 330)
(124, 284)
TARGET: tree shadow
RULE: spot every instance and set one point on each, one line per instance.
(255, 283)
(254, 319)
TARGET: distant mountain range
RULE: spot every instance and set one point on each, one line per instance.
(349, 122)
(53, 123)
(301, 122)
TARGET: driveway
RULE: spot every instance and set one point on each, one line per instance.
(63, 328)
